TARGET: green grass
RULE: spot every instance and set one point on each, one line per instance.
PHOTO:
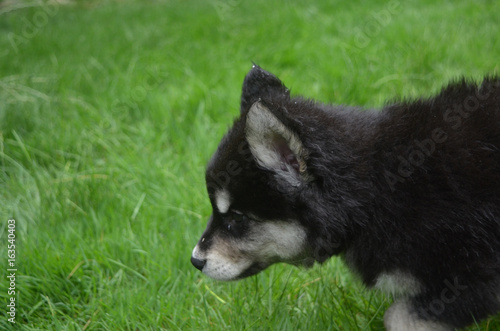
(110, 110)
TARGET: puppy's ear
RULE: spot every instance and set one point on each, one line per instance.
(261, 85)
(275, 147)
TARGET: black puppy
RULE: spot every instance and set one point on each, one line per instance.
(409, 195)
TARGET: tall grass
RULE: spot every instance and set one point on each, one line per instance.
(110, 110)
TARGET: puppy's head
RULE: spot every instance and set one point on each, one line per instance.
(254, 180)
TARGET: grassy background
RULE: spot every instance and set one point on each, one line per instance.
(110, 110)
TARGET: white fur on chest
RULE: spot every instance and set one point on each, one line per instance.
(397, 283)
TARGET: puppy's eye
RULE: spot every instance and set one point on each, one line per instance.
(235, 221)
(231, 226)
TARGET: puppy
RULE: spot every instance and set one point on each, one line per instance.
(408, 195)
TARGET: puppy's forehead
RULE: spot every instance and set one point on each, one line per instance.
(222, 200)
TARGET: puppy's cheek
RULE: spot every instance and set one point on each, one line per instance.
(283, 241)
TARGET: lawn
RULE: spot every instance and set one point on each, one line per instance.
(109, 111)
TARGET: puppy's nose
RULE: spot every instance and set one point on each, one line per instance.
(198, 264)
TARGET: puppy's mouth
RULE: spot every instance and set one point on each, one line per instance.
(257, 267)
(254, 269)
(306, 262)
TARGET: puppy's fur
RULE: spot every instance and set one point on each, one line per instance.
(409, 195)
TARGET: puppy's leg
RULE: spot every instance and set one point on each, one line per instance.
(402, 317)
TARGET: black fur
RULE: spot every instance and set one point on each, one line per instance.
(413, 187)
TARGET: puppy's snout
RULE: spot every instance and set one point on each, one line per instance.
(198, 264)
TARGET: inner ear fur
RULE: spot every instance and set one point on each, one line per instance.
(274, 146)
